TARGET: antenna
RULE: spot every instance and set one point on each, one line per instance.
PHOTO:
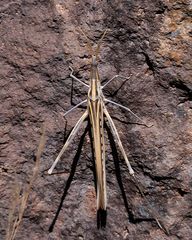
(99, 42)
(88, 41)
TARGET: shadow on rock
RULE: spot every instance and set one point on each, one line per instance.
(70, 178)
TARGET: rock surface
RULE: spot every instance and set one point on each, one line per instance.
(149, 39)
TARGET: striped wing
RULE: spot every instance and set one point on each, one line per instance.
(97, 121)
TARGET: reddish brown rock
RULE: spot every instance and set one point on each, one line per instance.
(150, 40)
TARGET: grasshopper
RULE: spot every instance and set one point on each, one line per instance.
(97, 113)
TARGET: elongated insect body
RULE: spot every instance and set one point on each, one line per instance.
(96, 115)
(97, 111)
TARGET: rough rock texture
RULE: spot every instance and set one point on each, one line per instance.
(149, 39)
